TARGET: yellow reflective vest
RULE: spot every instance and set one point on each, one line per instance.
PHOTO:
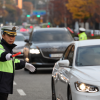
(82, 36)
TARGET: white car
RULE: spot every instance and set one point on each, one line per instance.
(76, 76)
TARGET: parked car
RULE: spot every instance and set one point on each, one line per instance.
(76, 75)
(46, 46)
(19, 41)
(26, 34)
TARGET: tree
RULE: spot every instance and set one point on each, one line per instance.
(28, 6)
(9, 2)
(3, 13)
(97, 10)
(81, 9)
(10, 12)
(58, 12)
(14, 12)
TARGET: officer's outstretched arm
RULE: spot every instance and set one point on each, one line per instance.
(19, 64)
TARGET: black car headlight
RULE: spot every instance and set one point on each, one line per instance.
(34, 51)
(82, 87)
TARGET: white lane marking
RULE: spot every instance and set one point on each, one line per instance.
(14, 83)
(21, 92)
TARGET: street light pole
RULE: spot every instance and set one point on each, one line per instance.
(65, 19)
(47, 10)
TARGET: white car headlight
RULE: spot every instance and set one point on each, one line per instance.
(34, 51)
(82, 87)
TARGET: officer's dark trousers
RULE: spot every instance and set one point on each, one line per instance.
(3, 96)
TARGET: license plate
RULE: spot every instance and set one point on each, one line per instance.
(55, 55)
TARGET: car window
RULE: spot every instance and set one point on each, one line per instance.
(65, 56)
(88, 56)
(25, 34)
(70, 55)
(51, 36)
(19, 38)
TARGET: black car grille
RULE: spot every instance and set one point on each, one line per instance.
(62, 49)
(46, 52)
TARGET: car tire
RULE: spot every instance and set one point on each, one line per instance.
(69, 94)
(53, 91)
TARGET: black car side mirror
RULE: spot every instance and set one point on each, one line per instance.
(26, 40)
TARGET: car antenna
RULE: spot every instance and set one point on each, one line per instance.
(31, 33)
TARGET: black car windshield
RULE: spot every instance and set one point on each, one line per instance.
(51, 36)
(88, 56)
(19, 38)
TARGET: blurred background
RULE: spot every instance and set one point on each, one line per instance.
(52, 13)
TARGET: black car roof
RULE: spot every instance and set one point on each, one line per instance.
(46, 29)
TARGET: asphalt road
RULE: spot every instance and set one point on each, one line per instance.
(32, 86)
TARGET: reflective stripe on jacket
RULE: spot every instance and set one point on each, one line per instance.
(82, 36)
(8, 64)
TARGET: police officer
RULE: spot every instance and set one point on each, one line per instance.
(82, 35)
(7, 63)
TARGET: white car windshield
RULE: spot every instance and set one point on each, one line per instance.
(88, 56)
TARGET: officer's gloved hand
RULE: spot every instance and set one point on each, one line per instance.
(30, 67)
(8, 56)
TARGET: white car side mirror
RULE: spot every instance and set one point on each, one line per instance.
(63, 63)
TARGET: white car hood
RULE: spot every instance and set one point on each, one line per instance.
(91, 73)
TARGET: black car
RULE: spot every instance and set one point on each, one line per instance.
(46, 46)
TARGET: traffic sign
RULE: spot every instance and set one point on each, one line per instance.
(39, 12)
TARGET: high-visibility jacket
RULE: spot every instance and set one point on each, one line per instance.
(7, 68)
(82, 36)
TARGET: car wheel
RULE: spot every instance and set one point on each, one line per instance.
(53, 91)
(69, 94)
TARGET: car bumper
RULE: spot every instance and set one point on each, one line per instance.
(39, 65)
(40, 61)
